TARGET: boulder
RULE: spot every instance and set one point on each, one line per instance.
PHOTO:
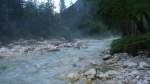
(107, 57)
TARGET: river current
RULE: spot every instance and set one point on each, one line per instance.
(51, 67)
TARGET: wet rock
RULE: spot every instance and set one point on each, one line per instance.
(74, 65)
(79, 45)
(82, 81)
(73, 76)
(113, 72)
(146, 82)
(80, 58)
(148, 72)
(108, 82)
(52, 48)
(107, 57)
(144, 65)
(68, 45)
(110, 61)
(107, 51)
(2, 57)
(90, 74)
(122, 56)
(29, 50)
(103, 76)
(134, 73)
(130, 64)
(143, 82)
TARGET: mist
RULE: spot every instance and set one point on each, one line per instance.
(35, 20)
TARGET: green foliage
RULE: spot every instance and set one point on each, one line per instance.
(94, 27)
(131, 44)
(129, 14)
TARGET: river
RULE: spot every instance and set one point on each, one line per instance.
(49, 68)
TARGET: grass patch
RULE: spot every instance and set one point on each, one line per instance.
(131, 44)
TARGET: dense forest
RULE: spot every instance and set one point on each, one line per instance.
(130, 18)
(20, 19)
(28, 19)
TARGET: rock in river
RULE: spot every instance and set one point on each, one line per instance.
(90, 74)
(74, 76)
(106, 57)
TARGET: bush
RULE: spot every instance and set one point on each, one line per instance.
(131, 44)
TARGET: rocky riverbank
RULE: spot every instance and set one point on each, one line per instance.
(49, 67)
(77, 62)
(120, 68)
(30, 47)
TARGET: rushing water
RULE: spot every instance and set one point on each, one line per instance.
(50, 67)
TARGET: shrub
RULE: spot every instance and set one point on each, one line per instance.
(131, 44)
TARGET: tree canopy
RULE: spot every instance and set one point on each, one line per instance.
(131, 15)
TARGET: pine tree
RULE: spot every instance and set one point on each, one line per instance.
(62, 5)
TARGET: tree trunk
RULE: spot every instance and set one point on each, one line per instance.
(140, 25)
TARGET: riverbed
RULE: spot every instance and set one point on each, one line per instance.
(51, 67)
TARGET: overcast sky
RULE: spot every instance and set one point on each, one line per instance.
(56, 3)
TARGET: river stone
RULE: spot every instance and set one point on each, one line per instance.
(130, 64)
(107, 51)
(107, 82)
(142, 82)
(73, 76)
(103, 76)
(144, 65)
(81, 81)
(148, 72)
(134, 72)
(91, 73)
(110, 61)
(113, 72)
(146, 82)
(107, 57)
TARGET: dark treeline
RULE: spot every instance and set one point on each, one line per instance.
(131, 18)
(31, 20)
(20, 19)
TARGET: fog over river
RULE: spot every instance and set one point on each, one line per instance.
(48, 62)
